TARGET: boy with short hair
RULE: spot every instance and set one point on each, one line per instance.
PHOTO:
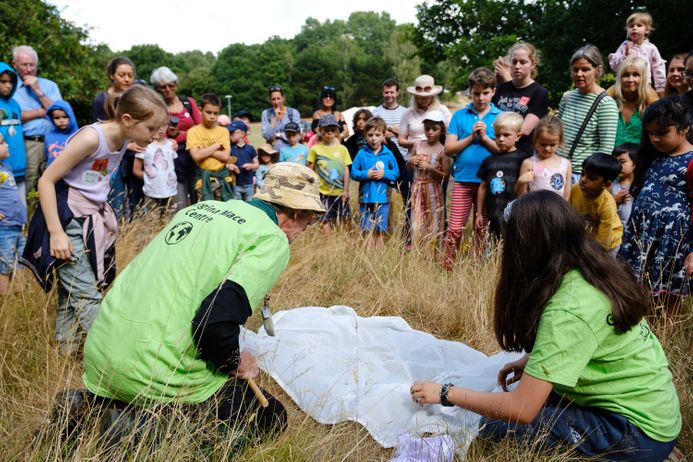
(11, 127)
(330, 160)
(64, 126)
(498, 173)
(374, 166)
(592, 200)
(295, 151)
(246, 158)
(209, 146)
(12, 219)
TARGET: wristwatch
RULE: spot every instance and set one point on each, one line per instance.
(444, 395)
(39, 94)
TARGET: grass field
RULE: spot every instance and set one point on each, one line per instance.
(322, 272)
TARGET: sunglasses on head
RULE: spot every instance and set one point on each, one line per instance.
(329, 89)
(275, 88)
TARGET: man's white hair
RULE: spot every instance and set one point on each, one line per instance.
(25, 49)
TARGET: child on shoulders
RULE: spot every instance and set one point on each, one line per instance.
(637, 44)
(593, 202)
(296, 151)
(373, 167)
(546, 169)
(210, 148)
(64, 125)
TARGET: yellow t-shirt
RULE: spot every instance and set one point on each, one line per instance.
(601, 217)
(330, 163)
(202, 137)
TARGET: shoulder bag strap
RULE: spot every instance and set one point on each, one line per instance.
(597, 100)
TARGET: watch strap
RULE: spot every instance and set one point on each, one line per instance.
(444, 395)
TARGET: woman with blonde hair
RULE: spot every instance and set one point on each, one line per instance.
(632, 94)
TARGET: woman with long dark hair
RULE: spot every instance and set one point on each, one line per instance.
(594, 376)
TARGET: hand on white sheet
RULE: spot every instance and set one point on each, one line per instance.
(425, 393)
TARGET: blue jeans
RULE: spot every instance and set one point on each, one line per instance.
(11, 247)
(591, 431)
(244, 192)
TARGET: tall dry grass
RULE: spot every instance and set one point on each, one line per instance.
(323, 271)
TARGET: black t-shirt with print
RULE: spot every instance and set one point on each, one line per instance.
(533, 99)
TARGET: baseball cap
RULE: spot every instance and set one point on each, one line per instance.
(292, 127)
(434, 116)
(238, 125)
(291, 185)
(328, 120)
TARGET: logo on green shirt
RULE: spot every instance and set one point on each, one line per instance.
(179, 232)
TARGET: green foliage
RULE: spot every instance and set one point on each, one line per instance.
(468, 34)
(64, 57)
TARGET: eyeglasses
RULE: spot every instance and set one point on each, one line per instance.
(166, 86)
(425, 89)
(327, 95)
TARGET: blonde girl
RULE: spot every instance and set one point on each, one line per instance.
(74, 230)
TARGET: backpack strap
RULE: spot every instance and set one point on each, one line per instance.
(595, 104)
(185, 100)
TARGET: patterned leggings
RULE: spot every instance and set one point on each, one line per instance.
(462, 202)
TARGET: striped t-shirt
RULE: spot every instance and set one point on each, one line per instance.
(600, 132)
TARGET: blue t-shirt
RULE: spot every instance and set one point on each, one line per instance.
(466, 163)
(295, 154)
(10, 204)
(245, 154)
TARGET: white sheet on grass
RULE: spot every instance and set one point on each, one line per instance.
(339, 366)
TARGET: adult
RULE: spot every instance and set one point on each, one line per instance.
(596, 378)
(328, 105)
(632, 94)
(688, 96)
(676, 81)
(424, 97)
(391, 112)
(275, 118)
(184, 114)
(121, 74)
(34, 95)
(522, 94)
(599, 135)
(215, 261)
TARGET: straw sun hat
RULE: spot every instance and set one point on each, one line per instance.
(424, 85)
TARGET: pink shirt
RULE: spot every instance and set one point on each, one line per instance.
(549, 178)
(647, 51)
(92, 175)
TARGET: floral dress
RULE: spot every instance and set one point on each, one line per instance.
(427, 212)
(656, 239)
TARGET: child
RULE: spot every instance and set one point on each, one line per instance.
(373, 167)
(593, 202)
(626, 154)
(637, 44)
(545, 169)
(155, 167)
(430, 166)
(330, 159)
(11, 128)
(498, 173)
(12, 219)
(656, 240)
(295, 151)
(64, 125)
(358, 139)
(268, 157)
(596, 378)
(246, 157)
(469, 142)
(209, 147)
(75, 229)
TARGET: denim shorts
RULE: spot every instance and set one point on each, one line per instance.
(337, 210)
(11, 247)
(374, 217)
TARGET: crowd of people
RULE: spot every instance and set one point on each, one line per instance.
(591, 203)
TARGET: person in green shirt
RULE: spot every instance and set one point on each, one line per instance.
(168, 330)
(595, 377)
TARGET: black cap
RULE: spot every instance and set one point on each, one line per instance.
(292, 127)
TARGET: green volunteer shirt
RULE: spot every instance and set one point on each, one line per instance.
(578, 351)
(140, 349)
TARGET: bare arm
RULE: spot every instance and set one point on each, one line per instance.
(526, 176)
(81, 146)
(568, 183)
(199, 153)
(530, 123)
(480, 199)
(453, 145)
(138, 168)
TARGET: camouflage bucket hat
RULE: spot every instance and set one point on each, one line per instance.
(291, 185)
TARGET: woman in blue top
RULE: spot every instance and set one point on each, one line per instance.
(275, 118)
(595, 376)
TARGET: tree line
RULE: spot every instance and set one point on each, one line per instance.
(451, 39)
